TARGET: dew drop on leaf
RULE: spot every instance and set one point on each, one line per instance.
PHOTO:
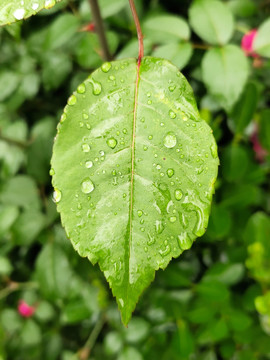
(172, 219)
(111, 142)
(106, 67)
(19, 14)
(169, 140)
(172, 114)
(72, 100)
(178, 194)
(85, 148)
(57, 195)
(96, 86)
(52, 172)
(170, 173)
(88, 164)
(87, 186)
(81, 88)
(139, 212)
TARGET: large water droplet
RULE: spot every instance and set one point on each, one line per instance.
(106, 67)
(166, 251)
(72, 100)
(96, 86)
(111, 142)
(170, 173)
(81, 88)
(140, 213)
(19, 14)
(159, 226)
(172, 114)
(169, 140)
(88, 164)
(87, 186)
(213, 149)
(57, 195)
(178, 194)
(85, 148)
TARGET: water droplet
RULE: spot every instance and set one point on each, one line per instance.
(63, 117)
(172, 88)
(151, 239)
(85, 148)
(81, 88)
(72, 100)
(148, 94)
(184, 241)
(162, 124)
(88, 164)
(158, 167)
(49, 4)
(106, 67)
(112, 77)
(52, 172)
(96, 86)
(142, 229)
(87, 186)
(19, 14)
(169, 140)
(170, 173)
(150, 137)
(172, 219)
(57, 195)
(85, 116)
(166, 251)
(140, 213)
(172, 114)
(81, 124)
(35, 6)
(159, 226)
(178, 194)
(149, 102)
(145, 148)
(111, 142)
(213, 149)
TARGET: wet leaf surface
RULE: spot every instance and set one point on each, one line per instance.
(133, 169)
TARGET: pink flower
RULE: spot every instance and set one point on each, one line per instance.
(25, 310)
(260, 152)
(247, 43)
(89, 27)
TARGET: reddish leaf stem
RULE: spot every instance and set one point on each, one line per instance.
(139, 30)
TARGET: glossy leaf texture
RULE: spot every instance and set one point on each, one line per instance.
(133, 169)
(14, 10)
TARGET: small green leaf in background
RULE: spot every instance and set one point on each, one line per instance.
(13, 10)
(165, 29)
(178, 53)
(225, 71)
(212, 21)
(235, 163)
(262, 40)
(156, 199)
(245, 108)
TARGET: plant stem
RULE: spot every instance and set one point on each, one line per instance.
(85, 352)
(100, 29)
(139, 30)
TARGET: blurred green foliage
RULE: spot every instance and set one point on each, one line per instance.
(211, 303)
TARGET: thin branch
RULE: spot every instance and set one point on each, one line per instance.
(139, 30)
(85, 352)
(100, 29)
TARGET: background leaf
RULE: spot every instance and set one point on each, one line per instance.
(155, 200)
(225, 71)
(212, 21)
(262, 42)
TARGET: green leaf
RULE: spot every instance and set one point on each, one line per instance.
(264, 129)
(178, 54)
(225, 71)
(166, 28)
(262, 42)
(235, 163)
(212, 21)
(53, 272)
(243, 8)
(8, 83)
(245, 108)
(13, 10)
(133, 178)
